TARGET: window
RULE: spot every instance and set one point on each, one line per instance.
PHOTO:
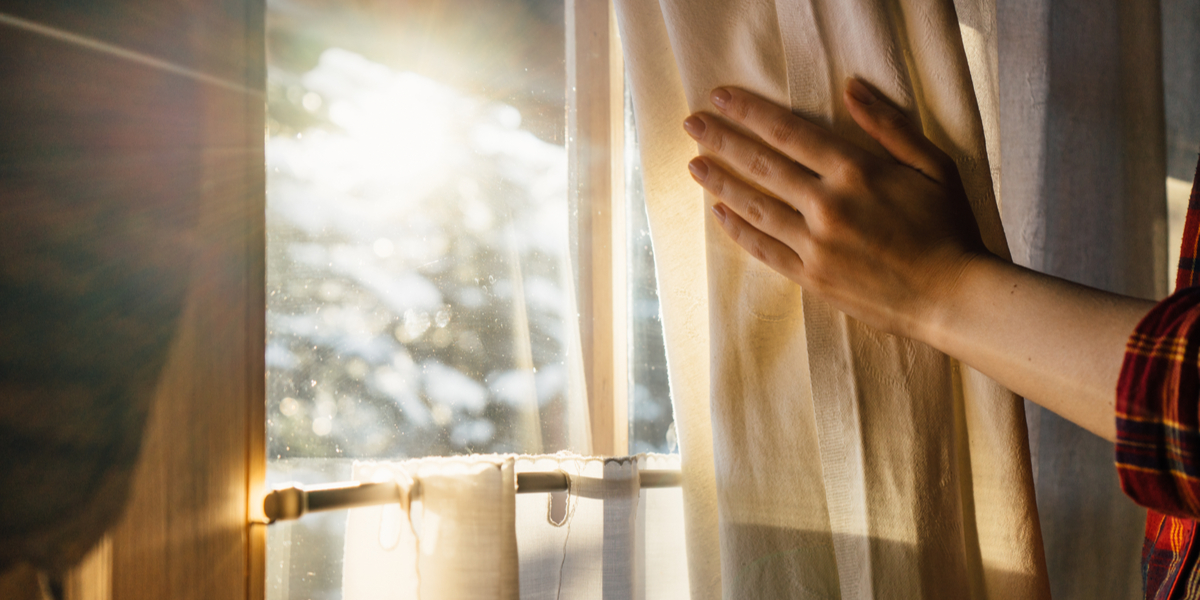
(431, 238)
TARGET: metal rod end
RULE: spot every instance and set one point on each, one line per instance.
(285, 504)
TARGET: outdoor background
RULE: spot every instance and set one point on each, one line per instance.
(418, 266)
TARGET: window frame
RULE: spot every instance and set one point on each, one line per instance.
(203, 465)
(596, 199)
(193, 525)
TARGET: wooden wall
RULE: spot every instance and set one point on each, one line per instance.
(132, 277)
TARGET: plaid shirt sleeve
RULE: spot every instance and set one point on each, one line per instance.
(1158, 396)
(1158, 408)
(1158, 392)
(1158, 436)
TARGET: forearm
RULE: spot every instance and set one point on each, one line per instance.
(1057, 343)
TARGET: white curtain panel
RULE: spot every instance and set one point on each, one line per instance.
(456, 541)
(823, 459)
(1084, 151)
(468, 535)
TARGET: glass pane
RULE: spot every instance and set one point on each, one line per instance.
(417, 251)
(651, 420)
(417, 229)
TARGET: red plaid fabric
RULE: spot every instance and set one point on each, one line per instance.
(1158, 425)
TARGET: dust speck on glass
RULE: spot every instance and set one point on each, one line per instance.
(417, 250)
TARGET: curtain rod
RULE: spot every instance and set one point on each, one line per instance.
(292, 502)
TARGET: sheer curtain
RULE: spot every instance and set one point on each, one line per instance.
(463, 532)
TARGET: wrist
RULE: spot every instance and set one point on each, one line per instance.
(960, 292)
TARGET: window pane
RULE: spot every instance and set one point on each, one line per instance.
(416, 232)
(417, 254)
(651, 421)
(417, 251)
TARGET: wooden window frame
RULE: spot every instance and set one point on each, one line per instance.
(596, 200)
(194, 526)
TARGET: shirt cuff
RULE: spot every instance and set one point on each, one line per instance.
(1158, 431)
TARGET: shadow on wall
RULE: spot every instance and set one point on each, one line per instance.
(99, 175)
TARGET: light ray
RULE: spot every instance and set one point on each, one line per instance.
(119, 52)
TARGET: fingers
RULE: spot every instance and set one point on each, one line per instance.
(768, 168)
(766, 214)
(770, 251)
(896, 133)
(799, 139)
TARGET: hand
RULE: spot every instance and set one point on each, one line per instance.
(883, 240)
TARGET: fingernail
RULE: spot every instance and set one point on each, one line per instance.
(860, 92)
(699, 168)
(719, 210)
(721, 97)
(694, 126)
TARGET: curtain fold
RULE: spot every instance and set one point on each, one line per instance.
(845, 463)
(458, 541)
(678, 234)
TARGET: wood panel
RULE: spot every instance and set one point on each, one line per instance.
(91, 579)
(189, 529)
(131, 233)
(98, 185)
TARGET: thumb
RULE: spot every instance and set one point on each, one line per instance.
(896, 132)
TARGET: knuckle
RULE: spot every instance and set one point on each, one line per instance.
(758, 251)
(819, 270)
(717, 183)
(814, 272)
(739, 107)
(869, 170)
(893, 119)
(735, 231)
(759, 165)
(826, 216)
(782, 132)
(855, 172)
(818, 216)
(717, 140)
(820, 280)
(756, 209)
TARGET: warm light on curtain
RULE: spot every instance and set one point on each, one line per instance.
(468, 535)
